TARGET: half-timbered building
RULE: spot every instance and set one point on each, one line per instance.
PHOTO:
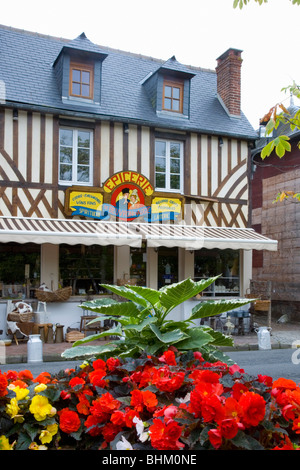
(117, 167)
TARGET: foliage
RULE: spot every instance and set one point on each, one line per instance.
(241, 3)
(144, 322)
(169, 402)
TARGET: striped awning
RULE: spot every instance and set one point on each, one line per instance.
(90, 232)
(69, 231)
(196, 237)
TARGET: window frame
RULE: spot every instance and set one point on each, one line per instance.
(82, 67)
(74, 163)
(167, 172)
(173, 84)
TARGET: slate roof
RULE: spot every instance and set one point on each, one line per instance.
(26, 68)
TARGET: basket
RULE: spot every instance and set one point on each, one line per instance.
(262, 305)
(20, 317)
(73, 336)
(60, 295)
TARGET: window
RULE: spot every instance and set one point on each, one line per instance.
(85, 268)
(168, 165)
(75, 156)
(81, 80)
(173, 96)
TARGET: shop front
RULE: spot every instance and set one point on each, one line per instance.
(121, 233)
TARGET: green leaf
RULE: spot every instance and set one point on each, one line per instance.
(139, 327)
(83, 351)
(118, 309)
(267, 150)
(151, 295)
(175, 294)
(116, 331)
(197, 338)
(170, 337)
(219, 339)
(247, 442)
(127, 293)
(23, 442)
(211, 308)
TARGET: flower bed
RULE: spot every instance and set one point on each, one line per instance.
(172, 402)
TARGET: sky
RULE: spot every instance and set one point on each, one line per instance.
(197, 32)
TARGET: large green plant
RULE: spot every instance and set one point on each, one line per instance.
(145, 323)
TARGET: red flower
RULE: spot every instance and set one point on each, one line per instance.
(165, 436)
(212, 409)
(65, 395)
(112, 363)
(215, 438)
(69, 421)
(76, 381)
(149, 400)
(105, 404)
(235, 368)
(83, 405)
(137, 400)
(99, 364)
(166, 381)
(229, 428)
(238, 389)
(96, 378)
(3, 385)
(254, 408)
(25, 375)
(109, 431)
(129, 415)
(296, 425)
(118, 418)
(169, 358)
(43, 378)
(91, 423)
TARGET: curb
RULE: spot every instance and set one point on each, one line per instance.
(57, 357)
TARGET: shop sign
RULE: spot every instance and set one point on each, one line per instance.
(86, 204)
(125, 196)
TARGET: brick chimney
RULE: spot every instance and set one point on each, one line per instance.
(229, 80)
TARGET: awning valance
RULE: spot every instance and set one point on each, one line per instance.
(89, 232)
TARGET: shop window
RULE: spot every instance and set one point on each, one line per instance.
(209, 263)
(19, 270)
(75, 156)
(168, 165)
(81, 80)
(86, 267)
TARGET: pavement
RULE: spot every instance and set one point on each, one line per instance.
(282, 335)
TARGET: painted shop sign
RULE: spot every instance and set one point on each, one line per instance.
(125, 196)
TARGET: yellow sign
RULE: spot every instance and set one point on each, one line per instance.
(85, 203)
(162, 204)
(126, 177)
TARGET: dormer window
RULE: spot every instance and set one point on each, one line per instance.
(81, 80)
(173, 96)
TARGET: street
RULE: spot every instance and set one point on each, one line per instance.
(275, 363)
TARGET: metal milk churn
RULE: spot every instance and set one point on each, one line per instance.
(264, 338)
(34, 349)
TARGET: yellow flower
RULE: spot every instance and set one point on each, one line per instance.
(21, 393)
(35, 446)
(47, 434)
(84, 364)
(4, 443)
(12, 409)
(40, 407)
(40, 388)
